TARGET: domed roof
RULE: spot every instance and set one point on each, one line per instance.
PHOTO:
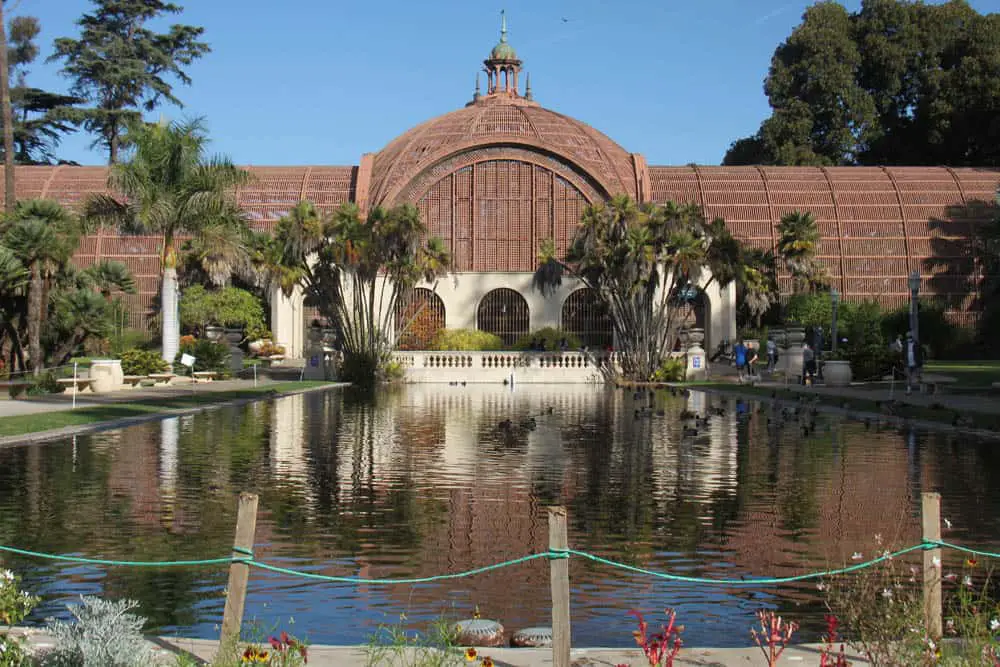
(503, 51)
(501, 121)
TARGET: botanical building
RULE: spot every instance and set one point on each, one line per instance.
(499, 175)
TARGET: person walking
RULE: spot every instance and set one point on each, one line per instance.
(913, 355)
(772, 354)
(808, 364)
(740, 358)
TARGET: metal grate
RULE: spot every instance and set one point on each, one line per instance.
(503, 312)
(586, 316)
(421, 312)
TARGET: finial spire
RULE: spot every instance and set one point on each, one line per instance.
(475, 96)
(527, 86)
(503, 27)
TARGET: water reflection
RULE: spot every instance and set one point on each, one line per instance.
(423, 480)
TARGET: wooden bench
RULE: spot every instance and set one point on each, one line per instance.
(161, 378)
(204, 376)
(77, 385)
(931, 384)
(133, 380)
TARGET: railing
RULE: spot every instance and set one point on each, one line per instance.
(571, 366)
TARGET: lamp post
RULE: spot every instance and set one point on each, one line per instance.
(834, 300)
(914, 289)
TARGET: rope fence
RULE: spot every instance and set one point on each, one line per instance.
(242, 559)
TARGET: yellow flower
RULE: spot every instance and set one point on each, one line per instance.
(487, 661)
(470, 654)
(254, 655)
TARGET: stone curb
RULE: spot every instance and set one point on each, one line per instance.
(66, 431)
(858, 415)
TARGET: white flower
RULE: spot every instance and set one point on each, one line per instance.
(821, 586)
(994, 625)
(967, 581)
(7, 574)
(856, 556)
(947, 524)
(951, 576)
(886, 555)
(936, 561)
(878, 538)
(887, 593)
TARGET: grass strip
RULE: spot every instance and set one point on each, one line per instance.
(46, 421)
(970, 374)
(936, 412)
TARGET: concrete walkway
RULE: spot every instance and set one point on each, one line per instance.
(355, 656)
(10, 407)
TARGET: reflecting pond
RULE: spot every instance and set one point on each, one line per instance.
(421, 481)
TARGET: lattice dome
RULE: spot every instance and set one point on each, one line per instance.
(501, 121)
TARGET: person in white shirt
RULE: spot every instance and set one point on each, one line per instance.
(913, 357)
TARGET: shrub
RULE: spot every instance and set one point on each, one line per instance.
(673, 369)
(229, 307)
(269, 349)
(942, 338)
(45, 384)
(466, 340)
(870, 362)
(142, 362)
(208, 356)
(393, 371)
(15, 605)
(550, 337)
(128, 339)
(103, 634)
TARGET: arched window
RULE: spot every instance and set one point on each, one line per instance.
(419, 316)
(585, 316)
(503, 312)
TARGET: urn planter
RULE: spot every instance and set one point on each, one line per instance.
(837, 373)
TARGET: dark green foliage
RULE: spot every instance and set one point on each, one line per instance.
(38, 123)
(208, 356)
(122, 67)
(871, 362)
(142, 362)
(465, 340)
(897, 82)
(942, 338)
(550, 337)
(46, 383)
(228, 307)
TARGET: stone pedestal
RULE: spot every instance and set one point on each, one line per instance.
(233, 338)
(696, 364)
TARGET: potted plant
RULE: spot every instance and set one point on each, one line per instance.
(837, 368)
(230, 310)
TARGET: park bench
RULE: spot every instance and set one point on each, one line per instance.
(161, 378)
(133, 380)
(204, 376)
(931, 384)
(77, 385)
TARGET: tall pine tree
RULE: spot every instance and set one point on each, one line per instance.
(123, 68)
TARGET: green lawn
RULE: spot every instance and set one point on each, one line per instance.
(968, 373)
(23, 424)
(941, 414)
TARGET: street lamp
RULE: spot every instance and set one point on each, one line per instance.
(834, 300)
(914, 289)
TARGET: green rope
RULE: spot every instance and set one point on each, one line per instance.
(412, 580)
(749, 581)
(123, 563)
(245, 552)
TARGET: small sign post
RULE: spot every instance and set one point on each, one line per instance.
(188, 360)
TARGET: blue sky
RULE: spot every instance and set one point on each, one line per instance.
(323, 81)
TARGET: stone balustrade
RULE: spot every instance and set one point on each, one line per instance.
(570, 367)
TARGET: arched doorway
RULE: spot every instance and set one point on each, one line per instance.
(419, 316)
(503, 312)
(586, 316)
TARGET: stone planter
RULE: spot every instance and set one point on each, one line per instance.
(106, 375)
(214, 333)
(234, 336)
(795, 335)
(837, 373)
(779, 337)
(696, 337)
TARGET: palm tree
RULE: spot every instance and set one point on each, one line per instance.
(108, 276)
(757, 287)
(44, 236)
(168, 187)
(798, 242)
(13, 280)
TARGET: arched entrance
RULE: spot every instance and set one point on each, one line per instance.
(586, 316)
(419, 315)
(503, 312)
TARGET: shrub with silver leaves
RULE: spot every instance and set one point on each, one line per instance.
(103, 634)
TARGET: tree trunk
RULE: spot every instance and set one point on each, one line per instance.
(171, 317)
(35, 319)
(8, 120)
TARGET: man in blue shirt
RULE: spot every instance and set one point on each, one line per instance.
(740, 357)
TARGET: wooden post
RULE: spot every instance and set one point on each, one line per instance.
(559, 569)
(239, 573)
(931, 513)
